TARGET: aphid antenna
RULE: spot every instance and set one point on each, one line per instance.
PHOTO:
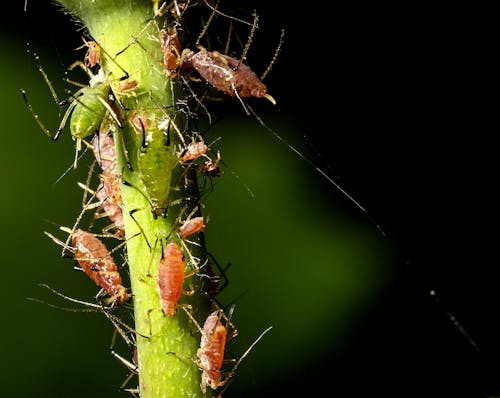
(230, 374)
(321, 172)
(454, 321)
(250, 38)
(217, 11)
(67, 309)
(73, 300)
(273, 60)
(70, 168)
(65, 246)
(207, 24)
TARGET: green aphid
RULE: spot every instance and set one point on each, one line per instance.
(156, 160)
(89, 108)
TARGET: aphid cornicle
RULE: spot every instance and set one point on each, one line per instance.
(96, 261)
(170, 278)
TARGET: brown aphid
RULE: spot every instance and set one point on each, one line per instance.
(211, 168)
(211, 352)
(170, 278)
(171, 48)
(225, 73)
(191, 226)
(96, 261)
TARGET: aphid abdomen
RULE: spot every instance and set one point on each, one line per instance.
(89, 111)
(227, 74)
(170, 278)
(245, 81)
(97, 263)
(211, 352)
(156, 161)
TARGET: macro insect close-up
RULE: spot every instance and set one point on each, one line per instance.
(217, 199)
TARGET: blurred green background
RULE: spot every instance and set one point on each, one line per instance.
(350, 309)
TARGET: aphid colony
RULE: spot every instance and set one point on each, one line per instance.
(97, 117)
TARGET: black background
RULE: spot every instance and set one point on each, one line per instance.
(397, 102)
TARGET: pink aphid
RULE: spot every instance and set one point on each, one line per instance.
(211, 352)
(191, 227)
(193, 151)
(170, 278)
(93, 55)
(96, 261)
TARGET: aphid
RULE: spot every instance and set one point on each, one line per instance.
(210, 354)
(156, 163)
(89, 106)
(93, 54)
(211, 168)
(156, 179)
(171, 48)
(193, 151)
(96, 261)
(170, 278)
(226, 74)
(108, 192)
(87, 109)
(191, 226)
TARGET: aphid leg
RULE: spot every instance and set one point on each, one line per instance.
(59, 103)
(73, 300)
(231, 17)
(214, 286)
(273, 60)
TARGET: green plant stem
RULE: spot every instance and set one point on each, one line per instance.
(166, 346)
